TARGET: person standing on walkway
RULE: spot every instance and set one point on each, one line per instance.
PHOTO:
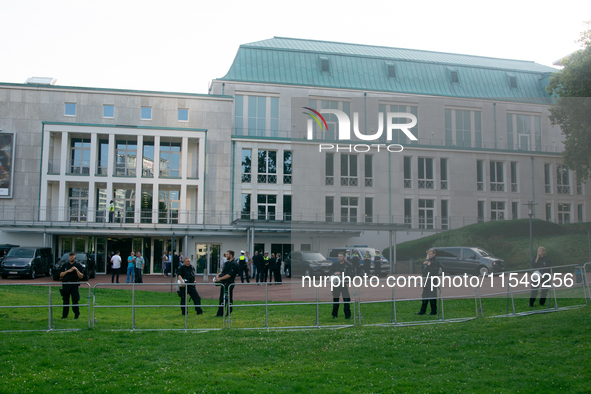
(431, 268)
(116, 265)
(339, 268)
(130, 267)
(226, 278)
(139, 267)
(186, 274)
(243, 266)
(541, 263)
(111, 211)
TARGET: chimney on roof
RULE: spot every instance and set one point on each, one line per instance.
(41, 81)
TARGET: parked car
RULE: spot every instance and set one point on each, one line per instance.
(28, 261)
(306, 263)
(84, 259)
(460, 260)
(333, 255)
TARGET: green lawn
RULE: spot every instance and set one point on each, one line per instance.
(538, 353)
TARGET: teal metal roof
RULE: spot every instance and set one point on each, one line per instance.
(363, 67)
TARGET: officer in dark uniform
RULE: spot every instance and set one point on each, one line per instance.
(278, 268)
(377, 263)
(272, 268)
(367, 262)
(431, 268)
(243, 267)
(186, 274)
(355, 261)
(226, 278)
(259, 263)
(542, 263)
(265, 267)
(71, 273)
(338, 268)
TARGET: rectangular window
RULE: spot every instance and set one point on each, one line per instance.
(146, 113)
(287, 167)
(80, 156)
(108, 111)
(479, 175)
(78, 202)
(426, 213)
(103, 157)
(443, 170)
(246, 165)
(465, 125)
(514, 176)
(329, 166)
(580, 213)
(146, 207)
(183, 115)
(497, 210)
(349, 170)
(547, 178)
(407, 173)
(169, 202)
(331, 119)
(510, 131)
(548, 211)
(170, 159)
(274, 116)
(562, 179)
(463, 129)
(126, 158)
(514, 210)
(524, 132)
(579, 188)
(148, 159)
(70, 109)
(368, 170)
(125, 205)
(563, 213)
(329, 208)
(239, 115)
(245, 208)
(480, 211)
(497, 182)
(408, 211)
(267, 167)
(425, 173)
(257, 116)
(444, 215)
(287, 208)
(398, 136)
(349, 209)
(266, 206)
(368, 210)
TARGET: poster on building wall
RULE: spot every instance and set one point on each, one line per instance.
(6, 164)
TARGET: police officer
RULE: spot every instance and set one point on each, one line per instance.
(431, 268)
(226, 278)
(259, 262)
(242, 264)
(278, 268)
(377, 262)
(186, 274)
(541, 261)
(338, 268)
(367, 262)
(265, 267)
(111, 211)
(355, 261)
(70, 274)
(272, 268)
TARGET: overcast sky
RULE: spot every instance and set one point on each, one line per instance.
(180, 46)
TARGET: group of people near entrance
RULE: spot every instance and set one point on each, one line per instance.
(71, 274)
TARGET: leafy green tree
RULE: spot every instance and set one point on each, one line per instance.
(572, 112)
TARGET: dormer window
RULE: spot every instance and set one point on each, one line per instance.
(324, 64)
(454, 76)
(513, 81)
(391, 69)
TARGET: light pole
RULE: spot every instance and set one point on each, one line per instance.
(530, 207)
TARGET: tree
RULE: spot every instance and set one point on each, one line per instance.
(572, 112)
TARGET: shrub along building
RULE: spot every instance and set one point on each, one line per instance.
(247, 166)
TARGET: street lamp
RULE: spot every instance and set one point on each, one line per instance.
(530, 207)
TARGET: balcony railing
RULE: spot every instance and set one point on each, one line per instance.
(368, 182)
(349, 181)
(329, 181)
(443, 185)
(563, 189)
(407, 184)
(425, 184)
(267, 178)
(497, 187)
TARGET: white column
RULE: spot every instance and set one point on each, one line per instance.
(138, 202)
(183, 214)
(65, 153)
(63, 201)
(93, 154)
(156, 156)
(139, 161)
(155, 203)
(44, 170)
(110, 171)
(201, 177)
(184, 157)
(91, 198)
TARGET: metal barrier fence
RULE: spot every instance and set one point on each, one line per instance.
(317, 303)
(509, 292)
(134, 306)
(50, 305)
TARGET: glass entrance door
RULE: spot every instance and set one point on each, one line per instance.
(208, 256)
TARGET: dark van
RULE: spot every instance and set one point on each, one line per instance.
(28, 261)
(460, 260)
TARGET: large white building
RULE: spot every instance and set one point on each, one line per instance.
(241, 167)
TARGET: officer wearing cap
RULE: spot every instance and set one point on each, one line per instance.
(186, 274)
(71, 274)
(377, 262)
(367, 262)
(339, 268)
(242, 265)
(265, 267)
(355, 261)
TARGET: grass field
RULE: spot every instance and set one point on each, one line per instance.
(538, 353)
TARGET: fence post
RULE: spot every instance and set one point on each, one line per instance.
(186, 305)
(133, 306)
(553, 289)
(89, 306)
(441, 297)
(50, 313)
(266, 305)
(317, 310)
